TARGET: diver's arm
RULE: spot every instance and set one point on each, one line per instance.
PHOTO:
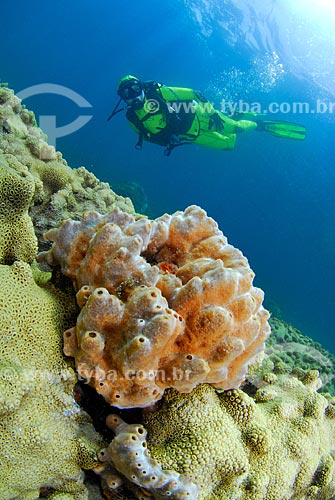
(172, 94)
(176, 94)
(199, 96)
(216, 119)
(185, 94)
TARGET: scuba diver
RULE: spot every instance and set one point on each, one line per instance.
(173, 116)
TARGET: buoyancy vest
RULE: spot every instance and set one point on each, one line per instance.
(159, 122)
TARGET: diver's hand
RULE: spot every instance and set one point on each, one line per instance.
(216, 121)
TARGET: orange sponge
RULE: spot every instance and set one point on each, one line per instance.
(164, 303)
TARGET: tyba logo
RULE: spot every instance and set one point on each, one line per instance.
(48, 122)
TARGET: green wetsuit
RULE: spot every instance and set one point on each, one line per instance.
(172, 114)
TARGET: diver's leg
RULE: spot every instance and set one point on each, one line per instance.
(199, 133)
(236, 126)
(216, 140)
(225, 139)
(244, 125)
(276, 128)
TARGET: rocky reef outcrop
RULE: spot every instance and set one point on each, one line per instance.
(54, 191)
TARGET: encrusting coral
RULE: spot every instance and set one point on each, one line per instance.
(45, 439)
(59, 192)
(17, 237)
(289, 351)
(278, 444)
(165, 303)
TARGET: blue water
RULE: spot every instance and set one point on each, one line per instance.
(273, 198)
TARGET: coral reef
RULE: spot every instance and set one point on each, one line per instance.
(128, 455)
(289, 351)
(17, 238)
(59, 192)
(45, 439)
(165, 303)
(278, 444)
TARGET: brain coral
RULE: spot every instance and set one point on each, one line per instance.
(277, 445)
(17, 238)
(44, 438)
(165, 303)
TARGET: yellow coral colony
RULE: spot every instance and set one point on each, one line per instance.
(44, 438)
(277, 445)
(17, 236)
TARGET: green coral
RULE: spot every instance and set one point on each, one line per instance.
(277, 445)
(45, 439)
(194, 434)
(11, 122)
(239, 405)
(289, 351)
(325, 471)
(17, 238)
